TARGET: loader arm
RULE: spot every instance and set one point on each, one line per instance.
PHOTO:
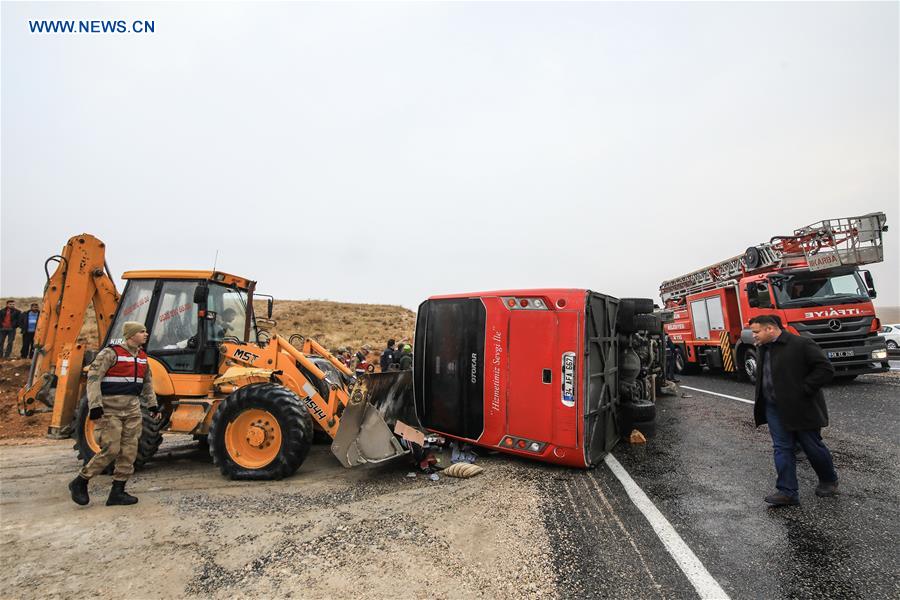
(55, 380)
(359, 431)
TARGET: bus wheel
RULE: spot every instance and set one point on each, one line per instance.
(749, 364)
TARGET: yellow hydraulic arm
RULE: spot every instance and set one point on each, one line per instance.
(55, 381)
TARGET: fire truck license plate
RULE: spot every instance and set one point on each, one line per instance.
(840, 354)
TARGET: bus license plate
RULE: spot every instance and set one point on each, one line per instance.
(840, 354)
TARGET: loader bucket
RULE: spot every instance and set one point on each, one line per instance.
(392, 394)
(364, 435)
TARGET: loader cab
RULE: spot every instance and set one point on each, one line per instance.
(187, 315)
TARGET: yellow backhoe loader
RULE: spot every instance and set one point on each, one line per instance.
(253, 397)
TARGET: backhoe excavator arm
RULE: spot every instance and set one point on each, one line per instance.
(55, 379)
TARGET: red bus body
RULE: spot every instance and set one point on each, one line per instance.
(527, 372)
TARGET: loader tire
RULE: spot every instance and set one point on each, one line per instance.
(261, 431)
(86, 448)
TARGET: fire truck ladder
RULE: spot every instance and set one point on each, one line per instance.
(824, 245)
(707, 278)
(847, 241)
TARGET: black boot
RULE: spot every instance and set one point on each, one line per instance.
(78, 487)
(118, 495)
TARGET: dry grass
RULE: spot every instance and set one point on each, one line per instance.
(332, 324)
(340, 324)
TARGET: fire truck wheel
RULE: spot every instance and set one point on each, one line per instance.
(86, 446)
(261, 431)
(749, 364)
(682, 366)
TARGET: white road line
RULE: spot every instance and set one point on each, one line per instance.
(703, 582)
(717, 394)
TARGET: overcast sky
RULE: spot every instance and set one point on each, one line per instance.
(387, 152)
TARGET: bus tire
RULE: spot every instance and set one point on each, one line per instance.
(648, 323)
(639, 306)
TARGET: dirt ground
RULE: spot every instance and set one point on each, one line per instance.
(13, 373)
(325, 532)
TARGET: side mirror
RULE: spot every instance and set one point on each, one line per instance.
(758, 295)
(269, 304)
(870, 284)
(752, 295)
(201, 294)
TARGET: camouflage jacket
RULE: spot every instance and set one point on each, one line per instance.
(116, 405)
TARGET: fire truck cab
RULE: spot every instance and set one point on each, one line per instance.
(810, 280)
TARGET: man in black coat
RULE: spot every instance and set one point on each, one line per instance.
(387, 357)
(792, 371)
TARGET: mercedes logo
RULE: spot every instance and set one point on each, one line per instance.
(834, 325)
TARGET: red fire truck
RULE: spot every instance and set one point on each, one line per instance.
(553, 374)
(810, 280)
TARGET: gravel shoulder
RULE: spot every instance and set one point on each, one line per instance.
(324, 532)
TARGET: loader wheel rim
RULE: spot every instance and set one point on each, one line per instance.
(253, 438)
(90, 430)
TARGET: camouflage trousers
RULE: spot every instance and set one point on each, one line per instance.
(118, 437)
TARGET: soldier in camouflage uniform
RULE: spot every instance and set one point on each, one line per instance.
(118, 379)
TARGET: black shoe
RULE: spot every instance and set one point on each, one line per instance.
(78, 488)
(118, 495)
(779, 499)
(827, 489)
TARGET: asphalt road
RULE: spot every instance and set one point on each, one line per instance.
(522, 529)
(707, 471)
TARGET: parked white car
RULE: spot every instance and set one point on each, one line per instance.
(891, 334)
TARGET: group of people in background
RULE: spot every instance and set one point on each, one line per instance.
(12, 319)
(395, 357)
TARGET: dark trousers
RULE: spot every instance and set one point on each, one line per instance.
(784, 442)
(7, 337)
(670, 365)
(27, 344)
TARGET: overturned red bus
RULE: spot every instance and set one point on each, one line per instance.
(551, 374)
